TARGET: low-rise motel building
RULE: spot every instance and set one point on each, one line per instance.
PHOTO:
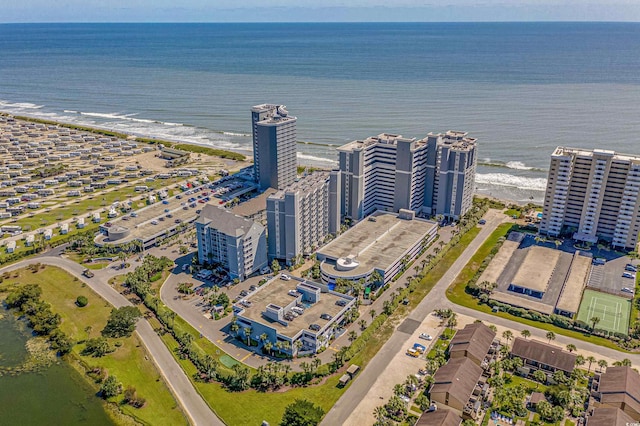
(296, 316)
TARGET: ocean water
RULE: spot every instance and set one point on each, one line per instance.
(521, 88)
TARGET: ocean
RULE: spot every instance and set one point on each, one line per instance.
(520, 88)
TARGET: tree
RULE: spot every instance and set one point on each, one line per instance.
(590, 359)
(580, 360)
(372, 312)
(594, 321)
(571, 347)
(247, 334)
(234, 327)
(540, 376)
(82, 301)
(352, 336)
(275, 266)
(302, 413)
(268, 346)
(121, 322)
(110, 387)
(508, 335)
(551, 336)
(602, 364)
(624, 363)
(363, 324)
(525, 333)
(97, 347)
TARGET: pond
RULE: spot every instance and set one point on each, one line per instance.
(56, 394)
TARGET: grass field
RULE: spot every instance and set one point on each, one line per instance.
(613, 311)
(129, 363)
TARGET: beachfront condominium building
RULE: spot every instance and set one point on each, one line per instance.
(434, 175)
(593, 195)
(454, 173)
(274, 146)
(235, 243)
(301, 216)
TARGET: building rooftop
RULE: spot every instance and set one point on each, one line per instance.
(303, 184)
(562, 151)
(382, 138)
(224, 221)
(458, 377)
(375, 242)
(475, 339)
(544, 353)
(530, 275)
(441, 417)
(253, 205)
(455, 140)
(276, 292)
(620, 385)
(609, 416)
(571, 295)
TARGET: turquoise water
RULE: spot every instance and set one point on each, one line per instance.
(521, 88)
(56, 395)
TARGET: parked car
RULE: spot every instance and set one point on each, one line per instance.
(412, 352)
(631, 268)
(628, 275)
(482, 222)
(341, 302)
(285, 277)
(426, 336)
(420, 348)
(627, 290)
(326, 317)
(154, 222)
(314, 327)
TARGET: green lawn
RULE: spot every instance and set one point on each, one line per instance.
(456, 294)
(129, 363)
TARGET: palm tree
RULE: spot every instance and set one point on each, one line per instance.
(602, 364)
(380, 413)
(594, 320)
(234, 328)
(247, 334)
(493, 328)
(571, 347)
(551, 336)
(268, 346)
(624, 363)
(508, 335)
(591, 359)
(525, 333)
(363, 324)
(298, 345)
(352, 336)
(579, 360)
(372, 312)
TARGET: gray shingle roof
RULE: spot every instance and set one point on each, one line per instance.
(224, 221)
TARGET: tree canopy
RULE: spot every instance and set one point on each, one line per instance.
(121, 322)
(301, 413)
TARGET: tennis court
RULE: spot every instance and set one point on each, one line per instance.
(613, 311)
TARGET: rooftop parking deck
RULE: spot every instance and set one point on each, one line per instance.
(377, 241)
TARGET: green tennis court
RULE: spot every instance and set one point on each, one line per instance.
(613, 311)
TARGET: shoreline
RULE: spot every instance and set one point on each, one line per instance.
(233, 154)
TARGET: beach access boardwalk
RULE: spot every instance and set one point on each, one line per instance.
(194, 407)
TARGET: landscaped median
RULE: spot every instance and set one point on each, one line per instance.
(457, 294)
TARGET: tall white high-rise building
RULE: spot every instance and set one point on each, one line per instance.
(593, 195)
(301, 216)
(274, 146)
(434, 175)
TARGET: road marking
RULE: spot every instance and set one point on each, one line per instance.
(333, 349)
(247, 356)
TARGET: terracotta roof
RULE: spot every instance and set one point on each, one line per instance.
(544, 353)
(441, 417)
(458, 377)
(475, 338)
(620, 384)
(606, 416)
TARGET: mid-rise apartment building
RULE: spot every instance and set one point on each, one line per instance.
(274, 146)
(434, 175)
(302, 215)
(237, 244)
(593, 195)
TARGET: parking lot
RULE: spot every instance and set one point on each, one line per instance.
(609, 277)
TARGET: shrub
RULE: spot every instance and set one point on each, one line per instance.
(82, 301)
(110, 387)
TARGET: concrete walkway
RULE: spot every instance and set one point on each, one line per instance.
(194, 407)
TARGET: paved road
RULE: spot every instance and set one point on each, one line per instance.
(191, 402)
(436, 299)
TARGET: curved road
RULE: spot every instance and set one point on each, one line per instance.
(196, 410)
